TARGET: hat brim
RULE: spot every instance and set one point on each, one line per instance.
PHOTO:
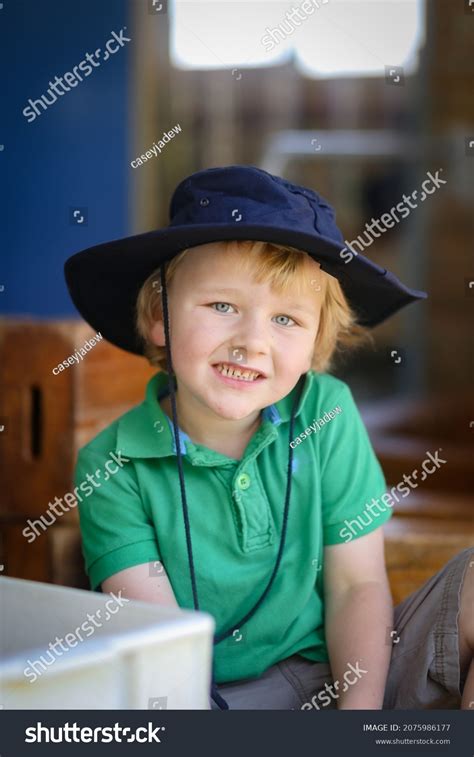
(104, 280)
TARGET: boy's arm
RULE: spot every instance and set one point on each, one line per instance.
(358, 620)
(144, 583)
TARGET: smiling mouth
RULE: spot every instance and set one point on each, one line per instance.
(241, 374)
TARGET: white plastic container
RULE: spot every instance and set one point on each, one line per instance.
(142, 656)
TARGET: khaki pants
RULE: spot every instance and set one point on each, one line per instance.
(424, 668)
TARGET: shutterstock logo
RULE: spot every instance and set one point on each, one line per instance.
(274, 36)
(62, 84)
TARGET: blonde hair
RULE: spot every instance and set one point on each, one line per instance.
(284, 268)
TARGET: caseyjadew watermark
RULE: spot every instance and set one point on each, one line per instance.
(80, 353)
(316, 426)
(157, 148)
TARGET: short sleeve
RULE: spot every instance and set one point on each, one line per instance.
(116, 531)
(352, 480)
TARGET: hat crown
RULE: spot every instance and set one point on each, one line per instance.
(252, 195)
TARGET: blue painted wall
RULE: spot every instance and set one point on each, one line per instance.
(75, 153)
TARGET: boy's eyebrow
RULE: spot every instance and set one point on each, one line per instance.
(213, 290)
(232, 290)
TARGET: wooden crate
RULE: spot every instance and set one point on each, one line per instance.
(46, 418)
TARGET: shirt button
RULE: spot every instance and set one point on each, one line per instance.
(243, 481)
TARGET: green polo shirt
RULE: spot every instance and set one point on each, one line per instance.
(134, 515)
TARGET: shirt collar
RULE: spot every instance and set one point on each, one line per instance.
(146, 431)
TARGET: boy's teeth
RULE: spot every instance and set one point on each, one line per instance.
(236, 372)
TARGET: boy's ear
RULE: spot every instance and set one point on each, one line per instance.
(157, 334)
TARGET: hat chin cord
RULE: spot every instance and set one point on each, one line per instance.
(217, 698)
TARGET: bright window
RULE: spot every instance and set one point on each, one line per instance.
(340, 38)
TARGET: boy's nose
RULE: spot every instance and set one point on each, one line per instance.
(253, 337)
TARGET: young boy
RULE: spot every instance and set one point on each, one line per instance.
(242, 469)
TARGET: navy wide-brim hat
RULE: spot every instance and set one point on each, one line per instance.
(228, 203)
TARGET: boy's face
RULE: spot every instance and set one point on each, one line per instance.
(215, 309)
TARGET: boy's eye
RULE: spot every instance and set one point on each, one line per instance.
(216, 305)
(284, 316)
(226, 305)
